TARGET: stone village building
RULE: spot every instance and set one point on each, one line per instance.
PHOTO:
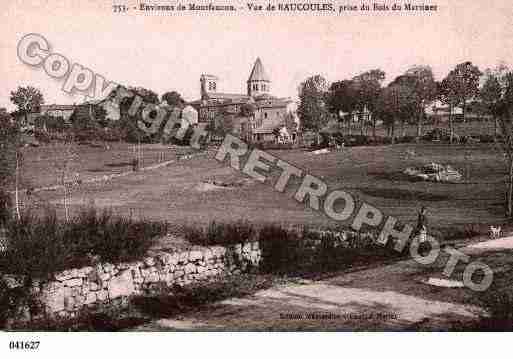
(271, 119)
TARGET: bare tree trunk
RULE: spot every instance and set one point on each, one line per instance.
(509, 210)
(495, 127)
(65, 198)
(393, 131)
(419, 124)
(374, 127)
(451, 129)
(17, 198)
(66, 210)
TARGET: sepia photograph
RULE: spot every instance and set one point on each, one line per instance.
(267, 166)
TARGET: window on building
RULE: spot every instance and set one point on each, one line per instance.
(265, 114)
(214, 86)
(255, 87)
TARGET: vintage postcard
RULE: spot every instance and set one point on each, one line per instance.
(253, 166)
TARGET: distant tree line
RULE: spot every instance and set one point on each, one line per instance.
(404, 100)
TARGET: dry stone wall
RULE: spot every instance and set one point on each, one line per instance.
(110, 284)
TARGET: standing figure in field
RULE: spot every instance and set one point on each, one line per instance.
(421, 229)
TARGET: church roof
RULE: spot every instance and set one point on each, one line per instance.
(258, 73)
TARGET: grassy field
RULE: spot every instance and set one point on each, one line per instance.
(474, 128)
(42, 164)
(179, 193)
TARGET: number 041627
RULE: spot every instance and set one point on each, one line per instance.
(22, 345)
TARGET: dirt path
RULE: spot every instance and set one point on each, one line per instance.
(389, 297)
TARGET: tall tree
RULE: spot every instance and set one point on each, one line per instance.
(491, 91)
(174, 99)
(10, 162)
(385, 111)
(394, 105)
(342, 99)
(423, 88)
(448, 96)
(27, 99)
(312, 109)
(368, 87)
(147, 95)
(504, 111)
(463, 82)
(490, 94)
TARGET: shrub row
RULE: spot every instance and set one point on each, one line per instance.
(219, 233)
(308, 252)
(39, 247)
(291, 251)
(360, 140)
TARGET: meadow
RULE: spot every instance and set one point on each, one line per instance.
(199, 190)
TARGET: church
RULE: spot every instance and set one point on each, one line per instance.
(255, 116)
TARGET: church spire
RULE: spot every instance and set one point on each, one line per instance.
(258, 73)
(258, 82)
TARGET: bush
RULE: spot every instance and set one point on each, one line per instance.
(12, 301)
(5, 208)
(42, 136)
(356, 140)
(51, 123)
(220, 233)
(282, 250)
(379, 140)
(406, 139)
(309, 252)
(486, 138)
(499, 305)
(39, 247)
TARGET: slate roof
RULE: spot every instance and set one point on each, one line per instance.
(258, 73)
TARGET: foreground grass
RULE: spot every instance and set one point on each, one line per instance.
(37, 247)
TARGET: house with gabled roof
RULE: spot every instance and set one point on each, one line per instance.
(268, 115)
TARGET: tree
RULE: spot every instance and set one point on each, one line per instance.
(394, 104)
(463, 83)
(148, 96)
(10, 163)
(367, 86)
(504, 110)
(27, 99)
(224, 123)
(447, 95)
(491, 91)
(247, 110)
(385, 110)
(312, 109)
(342, 98)
(174, 99)
(421, 83)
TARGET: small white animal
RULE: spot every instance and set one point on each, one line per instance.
(495, 232)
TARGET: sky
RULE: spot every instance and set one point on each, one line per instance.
(169, 51)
